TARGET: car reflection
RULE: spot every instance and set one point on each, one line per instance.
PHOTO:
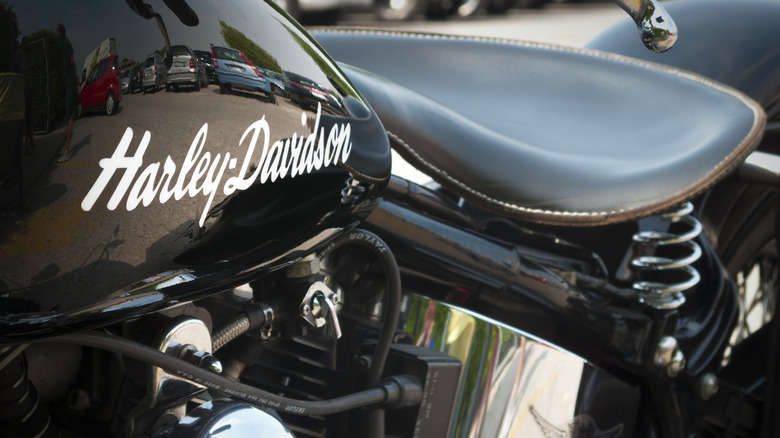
(234, 70)
(276, 80)
(186, 69)
(101, 90)
(134, 77)
(155, 74)
(205, 58)
(307, 94)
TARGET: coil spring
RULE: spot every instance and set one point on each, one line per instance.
(663, 294)
(21, 415)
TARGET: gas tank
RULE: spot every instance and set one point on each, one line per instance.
(242, 152)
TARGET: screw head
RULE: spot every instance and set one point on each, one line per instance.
(677, 364)
(665, 351)
(708, 386)
(211, 363)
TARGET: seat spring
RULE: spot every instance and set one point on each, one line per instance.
(666, 294)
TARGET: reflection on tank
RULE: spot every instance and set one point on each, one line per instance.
(307, 94)
(147, 183)
(105, 49)
(101, 89)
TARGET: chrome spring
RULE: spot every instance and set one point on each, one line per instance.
(671, 275)
(21, 414)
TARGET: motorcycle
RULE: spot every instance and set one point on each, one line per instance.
(596, 255)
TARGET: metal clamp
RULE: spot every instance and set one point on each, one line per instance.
(319, 309)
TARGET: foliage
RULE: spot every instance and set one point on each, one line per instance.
(256, 54)
(317, 54)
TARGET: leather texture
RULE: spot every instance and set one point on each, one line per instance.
(549, 134)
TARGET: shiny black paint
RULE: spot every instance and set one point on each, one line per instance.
(98, 238)
(521, 284)
(507, 282)
(67, 269)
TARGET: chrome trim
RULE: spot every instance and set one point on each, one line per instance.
(661, 292)
(318, 308)
(224, 418)
(505, 371)
(656, 28)
(166, 386)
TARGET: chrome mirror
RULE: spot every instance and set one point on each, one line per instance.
(656, 27)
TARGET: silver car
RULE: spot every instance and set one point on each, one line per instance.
(155, 75)
(186, 69)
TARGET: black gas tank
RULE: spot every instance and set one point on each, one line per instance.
(187, 173)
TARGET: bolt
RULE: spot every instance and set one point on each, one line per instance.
(363, 363)
(708, 386)
(665, 351)
(211, 363)
(677, 364)
(305, 309)
(266, 332)
(201, 359)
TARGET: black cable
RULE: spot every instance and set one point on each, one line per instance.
(390, 392)
(392, 298)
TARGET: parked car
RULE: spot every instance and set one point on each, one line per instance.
(204, 56)
(275, 79)
(135, 79)
(155, 75)
(125, 82)
(186, 69)
(323, 12)
(306, 93)
(101, 89)
(234, 70)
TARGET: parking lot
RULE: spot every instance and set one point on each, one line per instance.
(570, 24)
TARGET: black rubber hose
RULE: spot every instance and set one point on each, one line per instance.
(392, 298)
(250, 394)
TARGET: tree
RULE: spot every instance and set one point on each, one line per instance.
(254, 53)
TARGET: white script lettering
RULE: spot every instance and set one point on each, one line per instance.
(201, 173)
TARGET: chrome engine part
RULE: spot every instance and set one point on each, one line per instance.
(508, 374)
(226, 418)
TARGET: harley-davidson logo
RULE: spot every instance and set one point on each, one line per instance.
(201, 173)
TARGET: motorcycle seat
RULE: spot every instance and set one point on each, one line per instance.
(545, 133)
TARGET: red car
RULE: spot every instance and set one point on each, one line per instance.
(101, 90)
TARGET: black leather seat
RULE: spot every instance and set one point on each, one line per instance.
(549, 134)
